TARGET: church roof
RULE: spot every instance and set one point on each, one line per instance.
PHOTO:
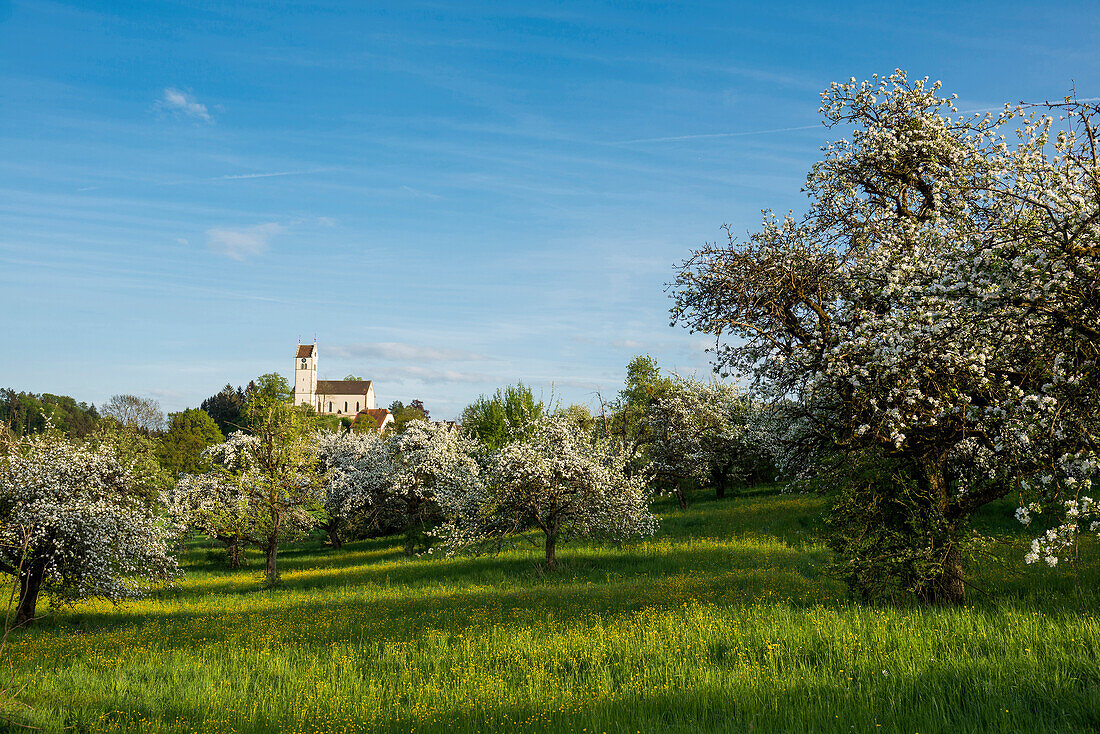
(343, 387)
(304, 350)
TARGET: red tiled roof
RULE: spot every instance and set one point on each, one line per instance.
(378, 415)
(304, 350)
(343, 387)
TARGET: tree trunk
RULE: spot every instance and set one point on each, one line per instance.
(551, 546)
(720, 482)
(949, 586)
(272, 555)
(30, 583)
(680, 496)
(233, 550)
(412, 514)
(334, 537)
(236, 554)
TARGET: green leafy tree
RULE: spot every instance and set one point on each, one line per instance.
(268, 388)
(226, 408)
(627, 424)
(263, 487)
(28, 413)
(503, 417)
(405, 414)
(189, 434)
(580, 415)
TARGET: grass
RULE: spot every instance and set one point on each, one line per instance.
(724, 622)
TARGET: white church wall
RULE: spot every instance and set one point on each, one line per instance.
(345, 404)
(306, 393)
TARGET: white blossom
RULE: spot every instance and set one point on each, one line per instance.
(89, 531)
(561, 481)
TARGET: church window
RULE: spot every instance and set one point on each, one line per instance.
(345, 406)
(330, 407)
(356, 406)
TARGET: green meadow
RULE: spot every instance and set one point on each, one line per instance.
(726, 621)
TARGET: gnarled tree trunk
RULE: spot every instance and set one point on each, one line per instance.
(949, 586)
(272, 556)
(233, 550)
(30, 584)
(551, 547)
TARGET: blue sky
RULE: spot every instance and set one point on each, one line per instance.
(448, 196)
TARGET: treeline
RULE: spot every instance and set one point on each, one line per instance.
(179, 438)
(28, 413)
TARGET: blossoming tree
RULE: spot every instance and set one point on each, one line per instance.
(262, 487)
(216, 505)
(711, 432)
(562, 482)
(429, 462)
(399, 479)
(75, 521)
(936, 306)
(353, 467)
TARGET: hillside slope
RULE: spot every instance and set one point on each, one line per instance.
(725, 621)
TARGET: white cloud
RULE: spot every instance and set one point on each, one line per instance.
(174, 396)
(184, 104)
(427, 375)
(397, 351)
(240, 244)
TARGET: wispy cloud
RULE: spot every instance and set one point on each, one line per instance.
(237, 176)
(707, 136)
(419, 193)
(240, 244)
(182, 103)
(429, 375)
(174, 396)
(241, 177)
(400, 352)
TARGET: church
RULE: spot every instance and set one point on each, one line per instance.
(329, 397)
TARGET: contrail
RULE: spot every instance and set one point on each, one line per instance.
(234, 176)
(717, 135)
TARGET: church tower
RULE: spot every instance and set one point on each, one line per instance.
(305, 375)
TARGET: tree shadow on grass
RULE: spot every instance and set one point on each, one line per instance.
(378, 565)
(407, 600)
(709, 562)
(966, 695)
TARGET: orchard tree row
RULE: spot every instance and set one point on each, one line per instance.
(97, 516)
